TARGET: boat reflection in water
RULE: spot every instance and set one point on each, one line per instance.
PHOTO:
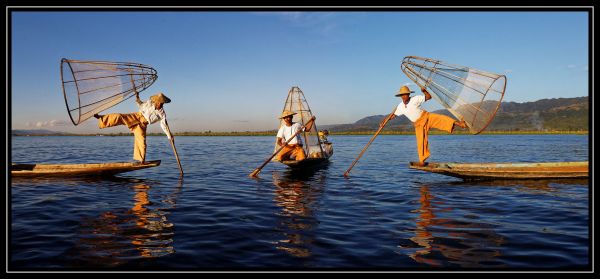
(297, 194)
(444, 242)
(528, 185)
(123, 237)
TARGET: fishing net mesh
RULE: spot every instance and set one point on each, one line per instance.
(90, 87)
(469, 94)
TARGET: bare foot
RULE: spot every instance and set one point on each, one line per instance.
(461, 124)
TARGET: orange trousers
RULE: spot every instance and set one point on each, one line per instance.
(136, 123)
(291, 150)
(422, 126)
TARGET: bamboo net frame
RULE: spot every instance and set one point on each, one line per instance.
(91, 87)
(469, 94)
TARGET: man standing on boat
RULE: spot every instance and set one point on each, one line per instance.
(286, 131)
(150, 112)
(422, 119)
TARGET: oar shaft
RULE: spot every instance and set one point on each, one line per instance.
(369, 143)
(177, 157)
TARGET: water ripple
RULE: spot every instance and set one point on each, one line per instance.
(385, 216)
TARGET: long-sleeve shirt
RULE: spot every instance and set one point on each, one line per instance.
(152, 115)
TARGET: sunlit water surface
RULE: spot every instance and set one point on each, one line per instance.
(384, 217)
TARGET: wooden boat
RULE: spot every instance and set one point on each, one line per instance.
(306, 163)
(317, 148)
(95, 169)
(476, 171)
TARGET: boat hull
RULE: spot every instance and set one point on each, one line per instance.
(306, 163)
(67, 170)
(549, 170)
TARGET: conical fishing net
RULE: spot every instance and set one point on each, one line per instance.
(90, 87)
(469, 94)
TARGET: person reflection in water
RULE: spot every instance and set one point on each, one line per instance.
(296, 200)
(467, 244)
(423, 236)
(151, 221)
(119, 236)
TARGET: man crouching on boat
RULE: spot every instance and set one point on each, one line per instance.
(286, 131)
(150, 112)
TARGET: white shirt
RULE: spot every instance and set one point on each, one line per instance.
(152, 115)
(286, 133)
(412, 110)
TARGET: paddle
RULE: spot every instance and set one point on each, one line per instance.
(176, 156)
(308, 126)
(369, 143)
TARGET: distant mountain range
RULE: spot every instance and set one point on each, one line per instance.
(564, 114)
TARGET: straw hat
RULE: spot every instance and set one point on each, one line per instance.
(286, 113)
(404, 90)
(160, 98)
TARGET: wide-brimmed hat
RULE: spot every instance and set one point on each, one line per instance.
(404, 90)
(160, 98)
(286, 113)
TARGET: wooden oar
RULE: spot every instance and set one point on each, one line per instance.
(369, 143)
(308, 125)
(176, 156)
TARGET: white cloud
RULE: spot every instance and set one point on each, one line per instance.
(321, 22)
(45, 124)
(291, 16)
(571, 66)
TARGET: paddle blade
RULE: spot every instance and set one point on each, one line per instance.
(254, 173)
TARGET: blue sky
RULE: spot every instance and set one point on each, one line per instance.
(231, 71)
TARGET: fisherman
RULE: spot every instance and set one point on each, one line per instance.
(150, 112)
(422, 119)
(286, 131)
(323, 134)
(326, 145)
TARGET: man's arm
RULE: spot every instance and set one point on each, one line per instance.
(427, 95)
(280, 141)
(137, 98)
(165, 126)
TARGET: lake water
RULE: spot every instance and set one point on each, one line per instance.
(385, 216)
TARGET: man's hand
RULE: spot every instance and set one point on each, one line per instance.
(137, 98)
(383, 121)
(427, 95)
(309, 126)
